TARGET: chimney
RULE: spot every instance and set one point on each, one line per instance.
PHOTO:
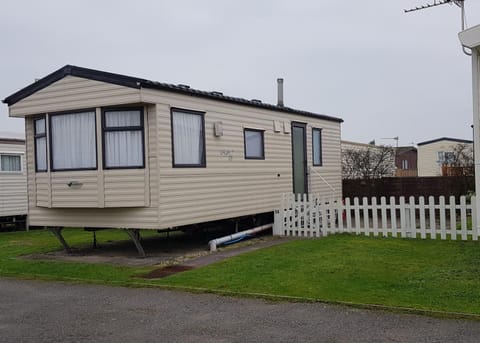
(280, 92)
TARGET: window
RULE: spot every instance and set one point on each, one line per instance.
(10, 163)
(404, 164)
(40, 145)
(254, 144)
(317, 147)
(123, 138)
(188, 138)
(73, 141)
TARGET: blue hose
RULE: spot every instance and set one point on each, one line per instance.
(238, 239)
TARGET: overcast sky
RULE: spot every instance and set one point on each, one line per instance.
(384, 72)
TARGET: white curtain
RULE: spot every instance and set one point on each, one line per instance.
(122, 118)
(253, 144)
(41, 150)
(187, 138)
(73, 141)
(123, 148)
(40, 126)
(10, 163)
(317, 147)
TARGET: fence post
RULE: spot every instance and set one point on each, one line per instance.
(374, 216)
(431, 216)
(393, 216)
(453, 218)
(443, 232)
(366, 224)
(421, 208)
(413, 221)
(356, 214)
(383, 205)
(463, 217)
(473, 203)
(403, 218)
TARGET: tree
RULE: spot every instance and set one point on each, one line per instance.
(459, 162)
(372, 162)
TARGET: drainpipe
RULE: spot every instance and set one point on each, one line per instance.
(214, 242)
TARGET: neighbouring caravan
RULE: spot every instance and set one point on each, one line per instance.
(13, 184)
(109, 150)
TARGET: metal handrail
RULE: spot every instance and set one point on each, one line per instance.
(324, 180)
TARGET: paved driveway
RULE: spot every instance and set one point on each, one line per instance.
(32, 311)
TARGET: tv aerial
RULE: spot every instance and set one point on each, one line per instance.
(459, 3)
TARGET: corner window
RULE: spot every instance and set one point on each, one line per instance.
(317, 147)
(188, 138)
(123, 138)
(10, 163)
(73, 141)
(254, 144)
(40, 145)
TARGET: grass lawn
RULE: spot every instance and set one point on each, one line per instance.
(422, 274)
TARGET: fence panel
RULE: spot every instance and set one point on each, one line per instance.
(314, 216)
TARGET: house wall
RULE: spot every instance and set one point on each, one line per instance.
(13, 185)
(229, 186)
(428, 157)
(410, 156)
(74, 93)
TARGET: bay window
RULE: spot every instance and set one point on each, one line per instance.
(40, 134)
(123, 138)
(73, 141)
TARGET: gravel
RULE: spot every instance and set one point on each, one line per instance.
(34, 311)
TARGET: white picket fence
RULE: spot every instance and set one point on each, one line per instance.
(310, 215)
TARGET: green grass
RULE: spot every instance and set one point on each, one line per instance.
(426, 275)
(421, 274)
(16, 244)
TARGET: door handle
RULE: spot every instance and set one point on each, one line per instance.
(74, 183)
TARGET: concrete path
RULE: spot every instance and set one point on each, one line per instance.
(32, 311)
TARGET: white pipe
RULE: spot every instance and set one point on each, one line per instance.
(213, 243)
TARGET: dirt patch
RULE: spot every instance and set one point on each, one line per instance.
(166, 271)
(162, 252)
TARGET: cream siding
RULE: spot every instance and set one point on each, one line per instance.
(13, 185)
(229, 186)
(74, 93)
(428, 164)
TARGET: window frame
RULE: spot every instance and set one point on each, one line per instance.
(106, 129)
(203, 158)
(40, 135)
(11, 171)
(245, 129)
(50, 145)
(314, 129)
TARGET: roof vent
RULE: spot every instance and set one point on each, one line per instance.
(216, 93)
(183, 86)
(257, 101)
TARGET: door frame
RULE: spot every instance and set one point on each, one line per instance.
(305, 161)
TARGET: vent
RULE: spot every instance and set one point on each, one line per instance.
(183, 86)
(257, 101)
(280, 92)
(216, 93)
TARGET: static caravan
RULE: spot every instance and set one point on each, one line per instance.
(13, 183)
(112, 151)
